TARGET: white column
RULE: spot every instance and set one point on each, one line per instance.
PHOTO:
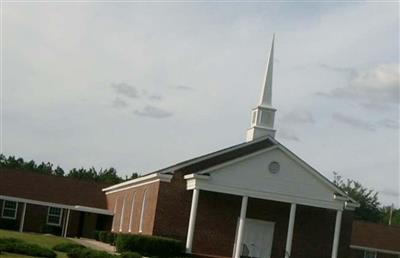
(242, 219)
(21, 224)
(192, 220)
(336, 236)
(66, 223)
(289, 238)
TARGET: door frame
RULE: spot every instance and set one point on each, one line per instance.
(258, 220)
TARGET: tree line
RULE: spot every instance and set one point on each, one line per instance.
(107, 176)
(370, 207)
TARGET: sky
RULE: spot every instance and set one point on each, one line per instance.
(139, 86)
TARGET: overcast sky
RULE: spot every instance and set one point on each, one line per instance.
(141, 86)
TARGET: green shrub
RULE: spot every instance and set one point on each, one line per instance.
(111, 238)
(96, 235)
(107, 237)
(12, 245)
(150, 245)
(130, 255)
(88, 253)
(65, 247)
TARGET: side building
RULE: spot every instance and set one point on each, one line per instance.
(370, 240)
(34, 202)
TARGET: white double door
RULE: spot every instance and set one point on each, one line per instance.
(257, 238)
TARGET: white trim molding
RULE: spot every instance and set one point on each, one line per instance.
(59, 215)
(204, 185)
(57, 205)
(140, 181)
(15, 210)
(372, 249)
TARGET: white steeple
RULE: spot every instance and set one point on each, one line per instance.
(263, 116)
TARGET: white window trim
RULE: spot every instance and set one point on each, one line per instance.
(4, 207)
(142, 211)
(59, 220)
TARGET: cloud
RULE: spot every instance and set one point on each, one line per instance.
(376, 88)
(155, 97)
(153, 112)
(125, 90)
(183, 87)
(119, 103)
(354, 122)
(287, 134)
(298, 117)
(389, 123)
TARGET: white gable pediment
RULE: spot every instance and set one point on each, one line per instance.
(294, 183)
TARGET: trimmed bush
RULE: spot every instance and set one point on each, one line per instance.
(103, 236)
(96, 235)
(130, 255)
(66, 247)
(88, 253)
(107, 237)
(150, 245)
(12, 245)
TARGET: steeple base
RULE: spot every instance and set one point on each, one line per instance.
(258, 132)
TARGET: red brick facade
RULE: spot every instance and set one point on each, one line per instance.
(168, 209)
(123, 200)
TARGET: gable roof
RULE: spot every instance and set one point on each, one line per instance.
(51, 189)
(380, 236)
(204, 162)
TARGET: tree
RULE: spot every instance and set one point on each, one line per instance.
(386, 215)
(369, 209)
(108, 176)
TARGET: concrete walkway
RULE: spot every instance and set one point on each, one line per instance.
(97, 245)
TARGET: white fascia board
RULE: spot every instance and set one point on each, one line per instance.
(305, 165)
(372, 249)
(203, 185)
(57, 205)
(93, 210)
(196, 176)
(143, 179)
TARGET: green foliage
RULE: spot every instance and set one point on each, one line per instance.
(370, 208)
(107, 176)
(107, 237)
(66, 247)
(149, 245)
(386, 210)
(17, 246)
(130, 255)
(88, 253)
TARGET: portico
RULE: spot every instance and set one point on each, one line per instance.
(251, 178)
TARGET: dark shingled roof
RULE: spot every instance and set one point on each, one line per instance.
(378, 236)
(215, 158)
(55, 189)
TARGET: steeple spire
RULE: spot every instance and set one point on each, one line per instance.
(266, 96)
(263, 116)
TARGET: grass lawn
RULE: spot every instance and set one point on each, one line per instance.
(43, 240)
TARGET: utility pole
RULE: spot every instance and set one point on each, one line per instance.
(391, 214)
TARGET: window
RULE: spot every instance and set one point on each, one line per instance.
(9, 210)
(54, 216)
(369, 254)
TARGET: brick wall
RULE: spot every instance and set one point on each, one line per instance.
(116, 201)
(354, 253)
(217, 219)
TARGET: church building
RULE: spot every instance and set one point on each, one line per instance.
(254, 199)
